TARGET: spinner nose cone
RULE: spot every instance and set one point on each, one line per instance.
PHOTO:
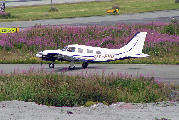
(39, 54)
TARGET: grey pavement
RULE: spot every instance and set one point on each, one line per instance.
(167, 73)
(13, 3)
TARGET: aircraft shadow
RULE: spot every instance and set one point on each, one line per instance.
(66, 69)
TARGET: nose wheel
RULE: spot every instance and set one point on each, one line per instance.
(51, 65)
(85, 65)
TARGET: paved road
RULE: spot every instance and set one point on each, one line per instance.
(12, 3)
(167, 73)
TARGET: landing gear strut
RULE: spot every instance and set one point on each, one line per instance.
(85, 65)
(72, 67)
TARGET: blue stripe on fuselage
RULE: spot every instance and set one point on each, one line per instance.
(76, 55)
(87, 56)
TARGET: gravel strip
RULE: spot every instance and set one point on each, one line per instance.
(16, 110)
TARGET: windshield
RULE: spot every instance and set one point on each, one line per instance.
(71, 49)
(64, 48)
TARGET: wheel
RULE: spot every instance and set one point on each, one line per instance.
(51, 65)
(85, 65)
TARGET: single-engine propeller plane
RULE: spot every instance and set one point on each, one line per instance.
(88, 54)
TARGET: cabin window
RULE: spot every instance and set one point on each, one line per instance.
(98, 52)
(80, 50)
(71, 49)
(89, 51)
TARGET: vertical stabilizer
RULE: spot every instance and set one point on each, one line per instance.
(135, 45)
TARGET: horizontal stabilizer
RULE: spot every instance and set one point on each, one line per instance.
(138, 55)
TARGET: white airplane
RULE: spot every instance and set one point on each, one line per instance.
(88, 54)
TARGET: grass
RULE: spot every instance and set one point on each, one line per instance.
(49, 88)
(86, 9)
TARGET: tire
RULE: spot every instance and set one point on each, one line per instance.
(85, 65)
(51, 65)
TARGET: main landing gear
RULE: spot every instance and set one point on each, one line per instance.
(71, 67)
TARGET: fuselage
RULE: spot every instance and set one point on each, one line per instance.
(86, 54)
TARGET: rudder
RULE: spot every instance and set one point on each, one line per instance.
(135, 45)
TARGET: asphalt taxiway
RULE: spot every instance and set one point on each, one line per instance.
(167, 73)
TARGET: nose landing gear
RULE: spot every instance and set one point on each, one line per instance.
(85, 65)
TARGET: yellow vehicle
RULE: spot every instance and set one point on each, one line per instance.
(112, 11)
(9, 30)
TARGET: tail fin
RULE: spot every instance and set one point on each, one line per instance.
(135, 45)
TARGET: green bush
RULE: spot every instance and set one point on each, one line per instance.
(170, 29)
(64, 90)
(6, 15)
(52, 10)
(89, 103)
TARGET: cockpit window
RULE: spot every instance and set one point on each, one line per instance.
(89, 51)
(71, 49)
